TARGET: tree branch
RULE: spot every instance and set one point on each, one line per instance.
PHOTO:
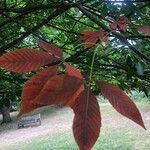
(28, 32)
(126, 1)
(61, 29)
(26, 10)
(137, 37)
(94, 10)
(120, 36)
(135, 10)
(32, 8)
(82, 22)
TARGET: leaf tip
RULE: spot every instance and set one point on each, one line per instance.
(143, 126)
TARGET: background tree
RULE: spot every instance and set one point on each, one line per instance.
(124, 60)
(10, 89)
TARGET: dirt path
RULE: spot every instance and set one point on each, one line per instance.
(57, 122)
(60, 121)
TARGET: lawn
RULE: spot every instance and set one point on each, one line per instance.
(117, 132)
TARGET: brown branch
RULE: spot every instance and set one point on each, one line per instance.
(72, 29)
(61, 29)
(30, 31)
(26, 10)
(137, 37)
(95, 12)
(135, 10)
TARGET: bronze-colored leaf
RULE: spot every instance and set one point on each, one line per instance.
(145, 30)
(50, 48)
(33, 87)
(121, 102)
(87, 120)
(24, 60)
(91, 37)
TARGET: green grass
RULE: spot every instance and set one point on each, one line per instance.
(117, 133)
(110, 140)
(135, 95)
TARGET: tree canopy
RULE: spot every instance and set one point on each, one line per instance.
(123, 60)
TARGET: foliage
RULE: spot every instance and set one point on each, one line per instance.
(9, 91)
(123, 60)
(138, 96)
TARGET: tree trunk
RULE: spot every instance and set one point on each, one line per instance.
(5, 114)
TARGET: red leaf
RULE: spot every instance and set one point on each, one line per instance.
(33, 87)
(87, 120)
(24, 60)
(50, 48)
(123, 19)
(86, 34)
(121, 102)
(50, 92)
(91, 37)
(103, 36)
(73, 71)
(46, 88)
(58, 90)
(122, 26)
(145, 30)
(114, 25)
(121, 23)
(73, 98)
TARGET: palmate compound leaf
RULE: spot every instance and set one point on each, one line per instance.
(91, 37)
(33, 87)
(24, 60)
(62, 88)
(73, 98)
(87, 120)
(121, 102)
(50, 48)
(145, 30)
(73, 71)
(48, 87)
